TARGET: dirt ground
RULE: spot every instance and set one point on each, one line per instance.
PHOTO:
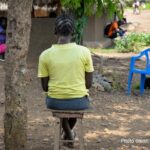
(141, 21)
(117, 121)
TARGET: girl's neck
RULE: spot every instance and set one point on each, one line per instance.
(64, 39)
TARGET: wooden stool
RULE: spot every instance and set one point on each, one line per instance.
(59, 114)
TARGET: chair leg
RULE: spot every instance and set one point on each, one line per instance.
(142, 82)
(81, 139)
(129, 83)
(57, 135)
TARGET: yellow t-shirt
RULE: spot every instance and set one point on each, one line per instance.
(65, 64)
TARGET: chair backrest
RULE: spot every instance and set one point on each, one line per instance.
(147, 55)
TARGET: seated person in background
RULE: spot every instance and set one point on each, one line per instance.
(3, 46)
(136, 5)
(114, 29)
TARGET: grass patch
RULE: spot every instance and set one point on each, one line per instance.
(133, 42)
(104, 50)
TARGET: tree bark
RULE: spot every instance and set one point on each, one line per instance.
(18, 34)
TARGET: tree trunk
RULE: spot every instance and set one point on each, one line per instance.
(18, 34)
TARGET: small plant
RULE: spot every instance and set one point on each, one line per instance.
(136, 86)
(132, 42)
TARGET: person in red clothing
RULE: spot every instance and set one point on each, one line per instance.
(112, 32)
(115, 30)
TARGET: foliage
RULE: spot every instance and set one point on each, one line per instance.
(129, 3)
(79, 26)
(93, 6)
(147, 6)
(132, 42)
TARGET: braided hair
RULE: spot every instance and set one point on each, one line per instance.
(64, 25)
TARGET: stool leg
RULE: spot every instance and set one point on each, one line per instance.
(57, 135)
(81, 139)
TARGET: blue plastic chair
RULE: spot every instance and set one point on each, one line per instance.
(142, 72)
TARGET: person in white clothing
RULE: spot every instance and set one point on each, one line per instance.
(136, 5)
